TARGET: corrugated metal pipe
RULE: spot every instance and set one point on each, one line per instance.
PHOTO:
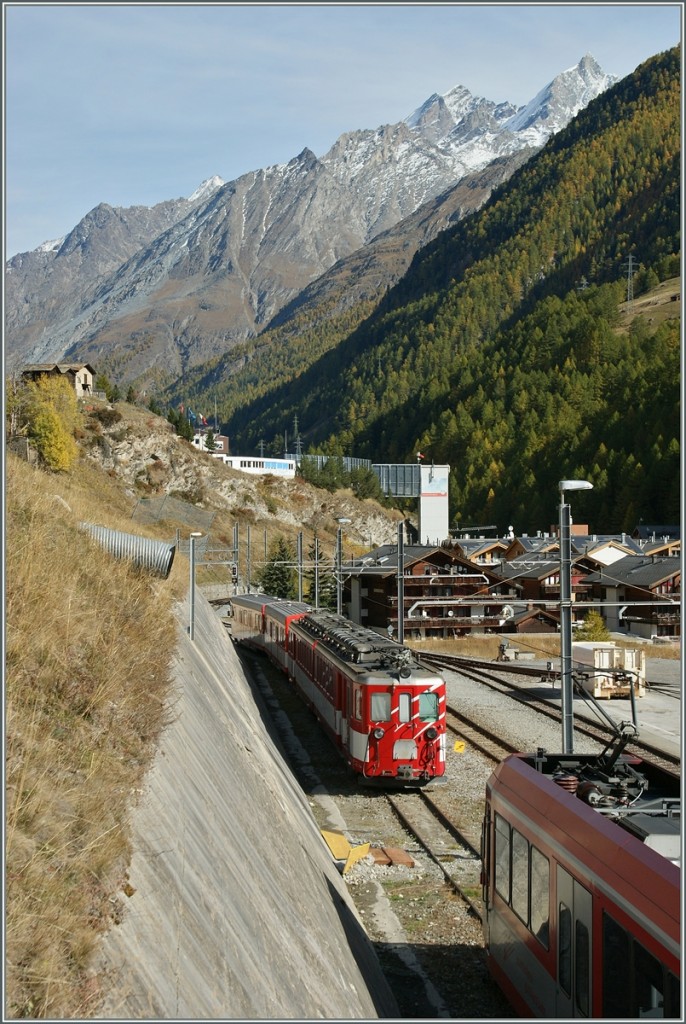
(154, 555)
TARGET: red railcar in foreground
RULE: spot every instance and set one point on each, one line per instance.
(581, 886)
(382, 709)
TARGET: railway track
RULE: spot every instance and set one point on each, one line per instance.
(480, 738)
(451, 838)
(485, 674)
(452, 845)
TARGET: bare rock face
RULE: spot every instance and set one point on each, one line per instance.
(145, 453)
(160, 290)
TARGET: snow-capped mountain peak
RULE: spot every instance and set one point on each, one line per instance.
(561, 100)
(51, 246)
(237, 253)
(206, 189)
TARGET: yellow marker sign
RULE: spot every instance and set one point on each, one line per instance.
(337, 843)
(342, 850)
(459, 746)
(357, 853)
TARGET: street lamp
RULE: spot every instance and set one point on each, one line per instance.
(191, 628)
(566, 612)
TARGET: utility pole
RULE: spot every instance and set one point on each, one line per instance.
(401, 585)
(300, 566)
(631, 264)
(566, 595)
(298, 442)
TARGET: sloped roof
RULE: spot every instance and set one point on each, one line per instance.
(475, 546)
(383, 561)
(590, 543)
(536, 613)
(534, 544)
(637, 571)
(62, 367)
(533, 567)
(647, 532)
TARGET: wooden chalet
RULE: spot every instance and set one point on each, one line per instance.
(443, 594)
(641, 595)
(538, 576)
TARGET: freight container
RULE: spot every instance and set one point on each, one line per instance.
(606, 670)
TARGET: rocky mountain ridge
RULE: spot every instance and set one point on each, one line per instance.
(154, 292)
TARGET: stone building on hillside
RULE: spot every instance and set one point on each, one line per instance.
(80, 375)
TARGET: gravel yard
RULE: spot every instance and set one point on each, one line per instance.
(428, 941)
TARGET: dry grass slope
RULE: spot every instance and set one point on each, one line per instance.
(89, 643)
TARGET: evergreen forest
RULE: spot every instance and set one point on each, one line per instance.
(500, 352)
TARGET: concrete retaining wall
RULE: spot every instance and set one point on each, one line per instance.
(237, 909)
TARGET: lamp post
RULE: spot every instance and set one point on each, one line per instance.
(566, 612)
(191, 627)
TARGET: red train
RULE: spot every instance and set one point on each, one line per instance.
(383, 710)
(581, 886)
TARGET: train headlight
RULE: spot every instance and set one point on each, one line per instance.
(377, 733)
(431, 733)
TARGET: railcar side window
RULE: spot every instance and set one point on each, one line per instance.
(673, 997)
(502, 857)
(381, 707)
(616, 992)
(358, 703)
(650, 983)
(428, 707)
(540, 886)
(582, 965)
(635, 983)
(564, 952)
(520, 876)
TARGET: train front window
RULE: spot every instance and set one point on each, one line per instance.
(428, 707)
(405, 707)
(381, 707)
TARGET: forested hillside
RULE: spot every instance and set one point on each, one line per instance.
(499, 352)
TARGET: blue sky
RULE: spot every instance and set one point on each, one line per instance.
(132, 104)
